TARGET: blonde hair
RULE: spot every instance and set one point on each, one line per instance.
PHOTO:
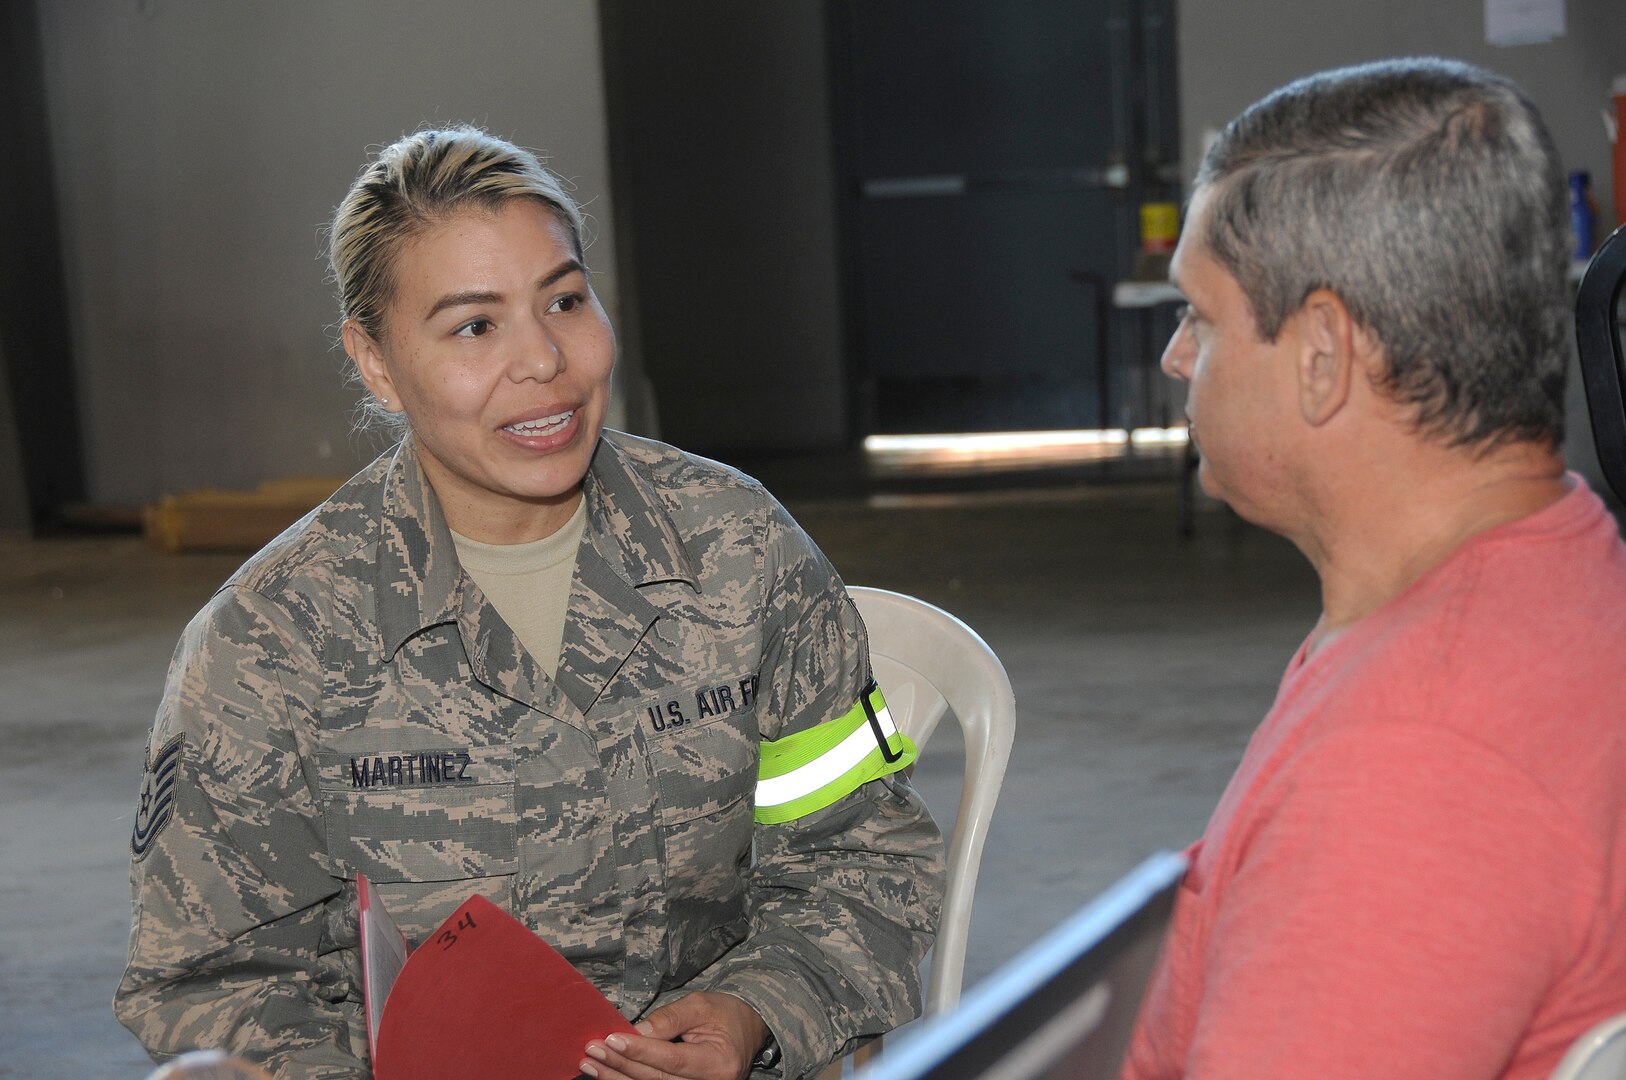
(417, 182)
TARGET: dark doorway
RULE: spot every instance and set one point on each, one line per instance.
(993, 160)
(842, 217)
(40, 425)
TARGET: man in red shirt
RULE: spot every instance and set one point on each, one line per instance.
(1419, 868)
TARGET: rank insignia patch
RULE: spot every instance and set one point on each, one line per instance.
(157, 797)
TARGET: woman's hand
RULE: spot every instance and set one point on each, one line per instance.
(702, 1036)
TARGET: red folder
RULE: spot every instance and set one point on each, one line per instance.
(483, 998)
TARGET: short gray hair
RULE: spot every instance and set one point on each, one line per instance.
(1428, 196)
(414, 183)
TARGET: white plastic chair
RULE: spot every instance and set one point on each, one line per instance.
(928, 662)
(1600, 1054)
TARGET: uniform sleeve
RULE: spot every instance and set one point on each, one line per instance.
(844, 902)
(1401, 912)
(236, 911)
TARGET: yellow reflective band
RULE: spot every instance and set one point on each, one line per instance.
(812, 769)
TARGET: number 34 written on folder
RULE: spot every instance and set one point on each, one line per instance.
(518, 1007)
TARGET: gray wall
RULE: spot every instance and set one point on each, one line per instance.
(1232, 53)
(199, 147)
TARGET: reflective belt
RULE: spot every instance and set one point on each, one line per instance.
(812, 769)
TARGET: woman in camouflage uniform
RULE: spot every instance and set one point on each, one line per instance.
(608, 685)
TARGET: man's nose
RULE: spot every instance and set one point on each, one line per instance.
(1179, 353)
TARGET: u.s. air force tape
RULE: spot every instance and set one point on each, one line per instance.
(811, 769)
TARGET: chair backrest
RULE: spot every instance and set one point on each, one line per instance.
(1603, 368)
(928, 662)
(1600, 1054)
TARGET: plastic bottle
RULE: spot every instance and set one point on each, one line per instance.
(1583, 214)
(1159, 232)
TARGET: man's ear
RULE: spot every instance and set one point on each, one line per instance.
(1326, 357)
(368, 357)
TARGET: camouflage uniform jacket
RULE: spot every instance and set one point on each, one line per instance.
(350, 702)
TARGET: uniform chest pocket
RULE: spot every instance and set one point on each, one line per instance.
(421, 815)
(704, 770)
(705, 777)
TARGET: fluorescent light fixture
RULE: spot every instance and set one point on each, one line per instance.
(976, 451)
(1160, 436)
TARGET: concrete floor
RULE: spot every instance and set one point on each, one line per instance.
(1141, 662)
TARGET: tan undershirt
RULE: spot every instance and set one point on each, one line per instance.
(529, 584)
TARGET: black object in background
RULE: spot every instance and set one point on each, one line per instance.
(1603, 367)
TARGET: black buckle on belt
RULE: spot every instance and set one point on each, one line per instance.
(875, 725)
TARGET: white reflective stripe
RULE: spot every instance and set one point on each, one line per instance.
(828, 767)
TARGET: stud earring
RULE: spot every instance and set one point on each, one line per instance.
(383, 401)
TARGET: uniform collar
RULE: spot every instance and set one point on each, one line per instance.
(628, 526)
(420, 582)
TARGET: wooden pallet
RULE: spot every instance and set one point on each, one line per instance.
(210, 519)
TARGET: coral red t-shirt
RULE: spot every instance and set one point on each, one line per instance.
(1419, 868)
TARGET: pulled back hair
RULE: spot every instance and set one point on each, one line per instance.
(1428, 196)
(415, 183)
